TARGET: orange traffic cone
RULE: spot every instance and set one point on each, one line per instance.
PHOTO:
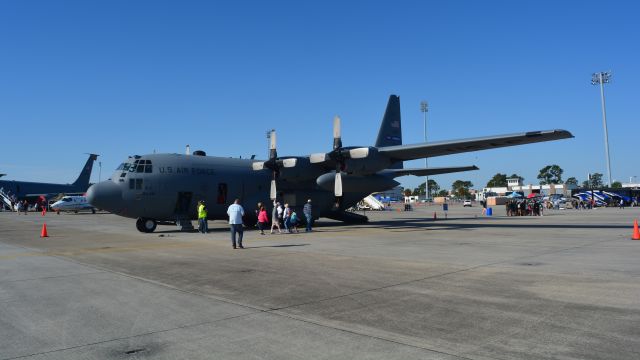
(636, 233)
(435, 216)
(43, 233)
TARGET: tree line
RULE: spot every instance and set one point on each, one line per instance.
(550, 174)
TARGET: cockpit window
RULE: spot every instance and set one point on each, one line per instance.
(143, 166)
(121, 166)
(66, 199)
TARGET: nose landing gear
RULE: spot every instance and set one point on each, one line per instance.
(146, 225)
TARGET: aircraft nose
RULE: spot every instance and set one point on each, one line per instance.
(105, 195)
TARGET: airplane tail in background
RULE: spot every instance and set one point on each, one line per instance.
(85, 174)
(390, 132)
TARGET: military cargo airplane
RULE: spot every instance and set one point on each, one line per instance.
(22, 190)
(164, 188)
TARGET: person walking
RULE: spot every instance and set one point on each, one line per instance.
(286, 216)
(263, 219)
(276, 214)
(307, 211)
(236, 212)
(203, 227)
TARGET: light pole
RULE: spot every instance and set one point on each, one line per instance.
(424, 107)
(601, 78)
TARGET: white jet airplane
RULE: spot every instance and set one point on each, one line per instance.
(72, 203)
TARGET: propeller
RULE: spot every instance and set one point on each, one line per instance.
(274, 164)
(339, 155)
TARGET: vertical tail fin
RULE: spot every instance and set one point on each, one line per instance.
(390, 132)
(85, 174)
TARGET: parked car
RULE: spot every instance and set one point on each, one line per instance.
(466, 203)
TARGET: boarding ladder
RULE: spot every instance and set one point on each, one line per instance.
(374, 203)
(6, 200)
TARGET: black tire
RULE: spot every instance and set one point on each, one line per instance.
(146, 225)
(93, 211)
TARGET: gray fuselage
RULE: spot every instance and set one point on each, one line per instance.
(166, 187)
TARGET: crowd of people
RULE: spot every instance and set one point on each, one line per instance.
(524, 207)
(282, 216)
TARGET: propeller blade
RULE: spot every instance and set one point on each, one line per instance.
(338, 184)
(318, 158)
(359, 153)
(273, 191)
(272, 145)
(258, 165)
(289, 163)
(337, 138)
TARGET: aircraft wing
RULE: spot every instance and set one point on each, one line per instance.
(432, 149)
(426, 171)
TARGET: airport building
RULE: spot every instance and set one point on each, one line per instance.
(515, 184)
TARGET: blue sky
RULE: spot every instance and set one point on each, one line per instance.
(119, 78)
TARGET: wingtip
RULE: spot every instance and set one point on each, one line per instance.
(566, 133)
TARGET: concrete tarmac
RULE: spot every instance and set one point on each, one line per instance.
(562, 286)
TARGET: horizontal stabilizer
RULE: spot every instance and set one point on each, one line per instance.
(440, 148)
(426, 171)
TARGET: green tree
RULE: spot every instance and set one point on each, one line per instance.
(433, 187)
(516, 176)
(443, 193)
(616, 185)
(461, 188)
(550, 174)
(572, 181)
(417, 191)
(498, 180)
(595, 180)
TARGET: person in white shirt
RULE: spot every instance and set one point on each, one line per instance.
(236, 212)
(276, 214)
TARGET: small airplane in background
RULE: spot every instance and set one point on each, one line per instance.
(73, 203)
(164, 188)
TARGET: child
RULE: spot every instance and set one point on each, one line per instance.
(294, 221)
(263, 219)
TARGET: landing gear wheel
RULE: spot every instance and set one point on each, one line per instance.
(146, 225)
(93, 211)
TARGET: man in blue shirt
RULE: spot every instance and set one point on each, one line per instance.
(236, 212)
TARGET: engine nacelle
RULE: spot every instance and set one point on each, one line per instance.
(366, 161)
